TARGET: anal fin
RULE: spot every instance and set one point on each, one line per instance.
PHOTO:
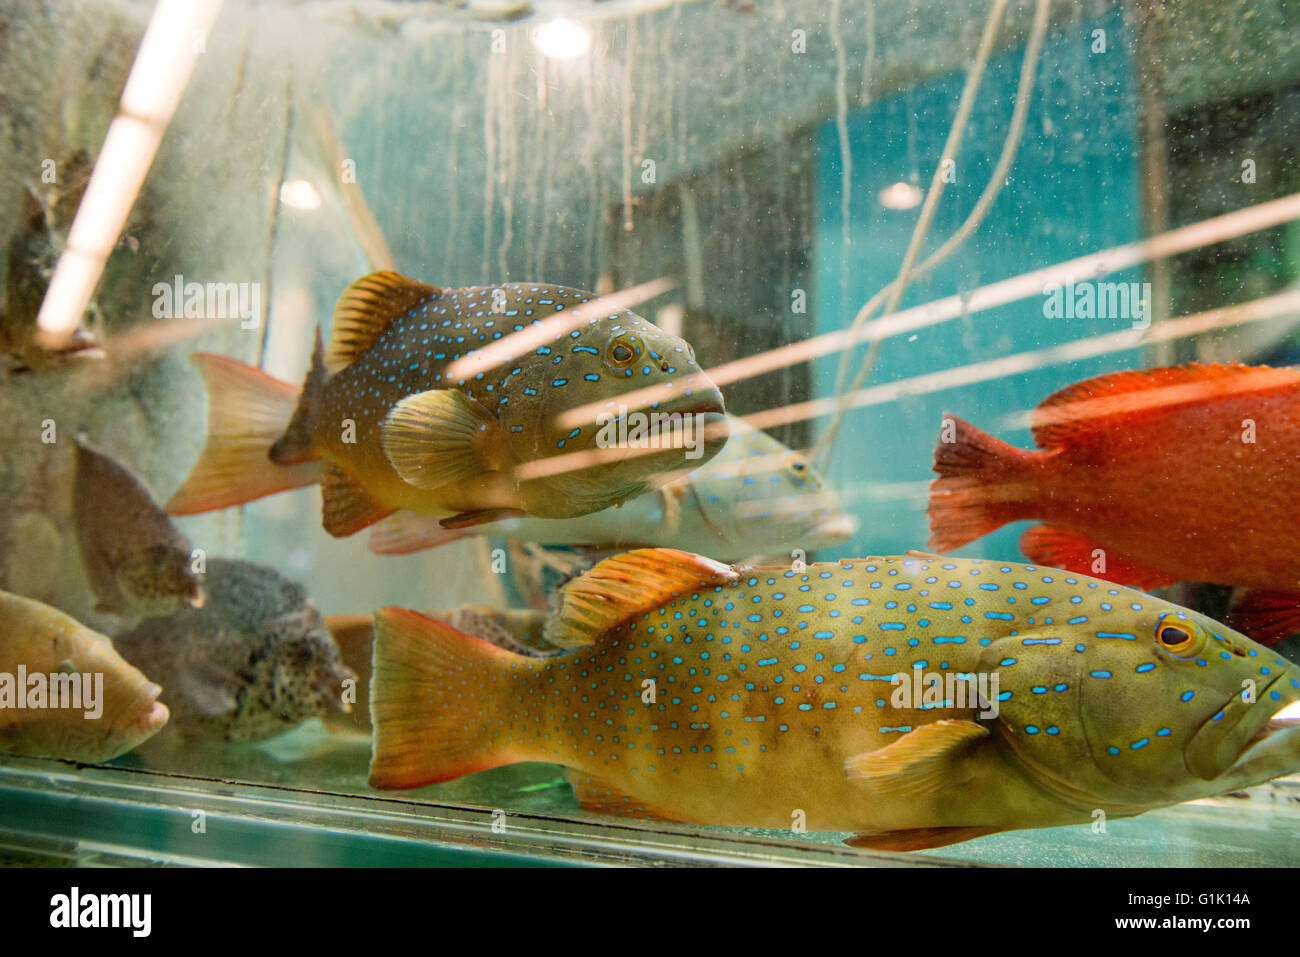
(346, 506)
(1264, 615)
(598, 796)
(918, 839)
(1074, 551)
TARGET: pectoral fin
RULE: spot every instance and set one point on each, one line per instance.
(920, 762)
(1266, 616)
(210, 689)
(1076, 552)
(918, 839)
(436, 437)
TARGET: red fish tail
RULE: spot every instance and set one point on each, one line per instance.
(983, 484)
(247, 412)
(434, 695)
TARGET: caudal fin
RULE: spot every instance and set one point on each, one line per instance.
(248, 411)
(435, 700)
(405, 532)
(983, 484)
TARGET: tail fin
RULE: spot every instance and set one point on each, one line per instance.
(405, 532)
(247, 412)
(436, 696)
(983, 484)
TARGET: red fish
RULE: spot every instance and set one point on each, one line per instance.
(1146, 478)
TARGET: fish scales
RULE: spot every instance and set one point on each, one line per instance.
(755, 497)
(767, 687)
(415, 406)
(1185, 473)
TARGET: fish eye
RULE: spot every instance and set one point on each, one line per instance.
(1180, 638)
(623, 350)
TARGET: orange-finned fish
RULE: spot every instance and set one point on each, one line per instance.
(388, 416)
(915, 701)
(1189, 473)
(64, 692)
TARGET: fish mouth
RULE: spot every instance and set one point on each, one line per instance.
(144, 716)
(832, 531)
(1248, 737)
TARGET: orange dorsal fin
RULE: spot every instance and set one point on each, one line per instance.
(598, 796)
(619, 588)
(1071, 415)
(367, 307)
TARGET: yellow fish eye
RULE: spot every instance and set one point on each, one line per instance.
(1179, 637)
(623, 350)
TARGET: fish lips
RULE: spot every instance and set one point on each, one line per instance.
(140, 720)
(1228, 738)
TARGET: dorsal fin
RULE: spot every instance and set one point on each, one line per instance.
(1066, 417)
(619, 588)
(366, 309)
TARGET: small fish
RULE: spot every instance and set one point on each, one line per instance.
(394, 427)
(755, 497)
(33, 251)
(136, 560)
(49, 648)
(254, 662)
(754, 697)
(1189, 473)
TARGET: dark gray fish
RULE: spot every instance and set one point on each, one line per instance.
(136, 560)
(254, 662)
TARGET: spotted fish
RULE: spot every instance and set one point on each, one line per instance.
(456, 403)
(106, 706)
(137, 562)
(254, 662)
(761, 697)
(755, 497)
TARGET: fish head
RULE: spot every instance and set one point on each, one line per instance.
(159, 579)
(1130, 701)
(611, 410)
(764, 497)
(309, 678)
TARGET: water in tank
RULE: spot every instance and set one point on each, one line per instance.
(649, 431)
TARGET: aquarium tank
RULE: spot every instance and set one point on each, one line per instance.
(698, 432)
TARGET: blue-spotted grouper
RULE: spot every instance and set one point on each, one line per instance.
(759, 697)
(755, 497)
(448, 401)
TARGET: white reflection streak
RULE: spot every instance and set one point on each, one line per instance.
(1083, 269)
(520, 343)
(1266, 308)
(153, 89)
